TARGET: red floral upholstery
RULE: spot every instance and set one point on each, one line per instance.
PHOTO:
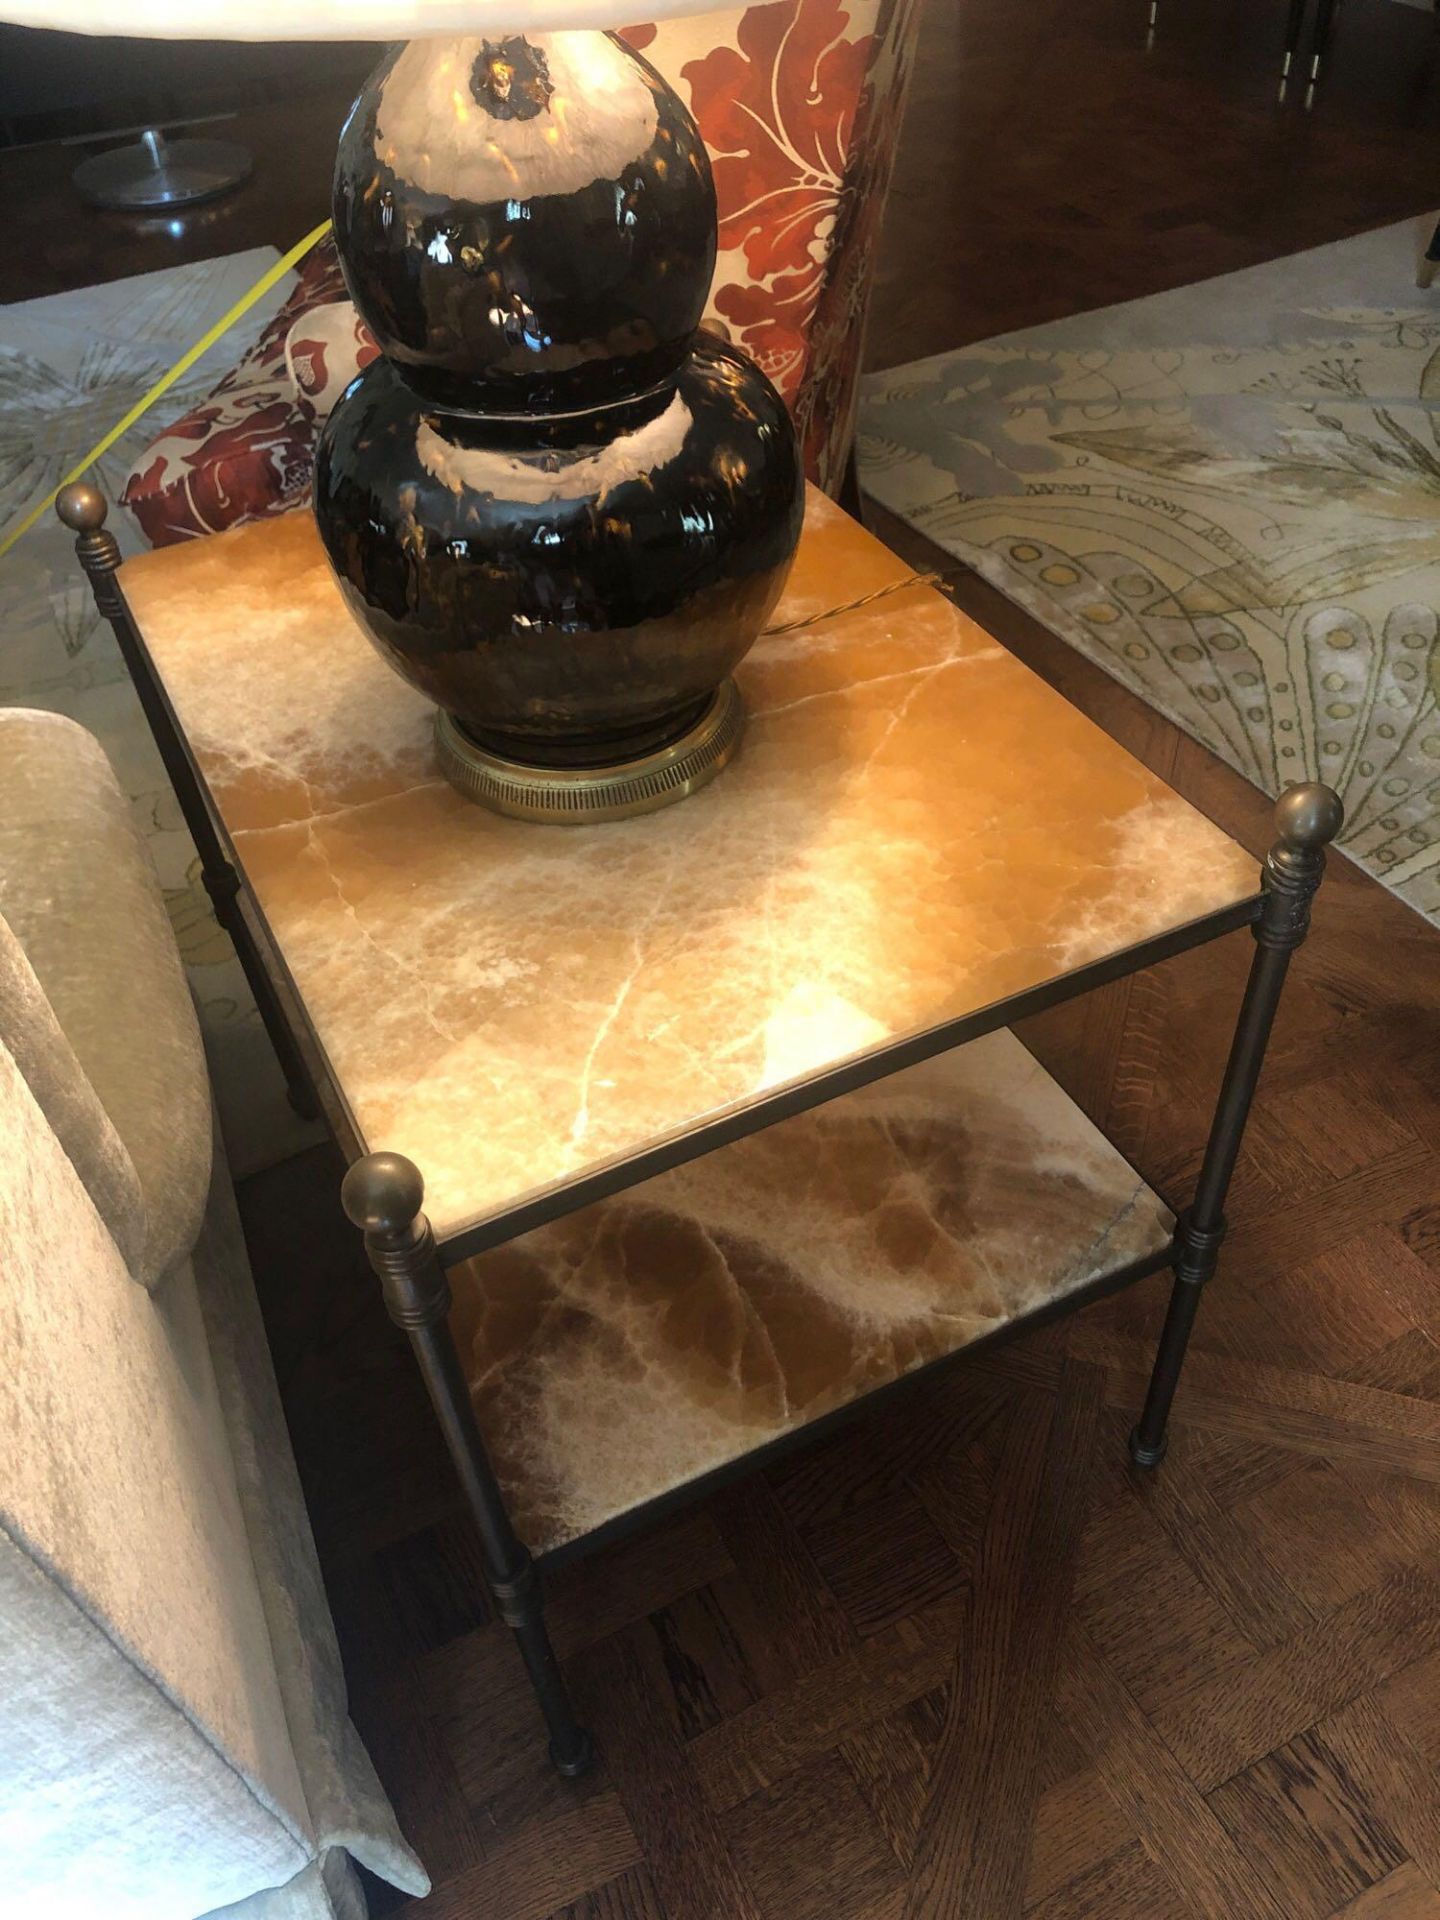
(246, 449)
(799, 102)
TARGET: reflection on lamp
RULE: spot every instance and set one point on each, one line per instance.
(554, 505)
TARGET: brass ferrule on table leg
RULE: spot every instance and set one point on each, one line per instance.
(1197, 1251)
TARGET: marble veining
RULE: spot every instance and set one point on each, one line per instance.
(639, 1343)
(915, 827)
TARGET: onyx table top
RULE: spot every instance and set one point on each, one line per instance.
(916, 828)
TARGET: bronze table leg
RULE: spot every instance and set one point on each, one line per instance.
(383, 1194)
(82, 509)
(1308, 819)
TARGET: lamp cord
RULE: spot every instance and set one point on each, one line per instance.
(862, 600)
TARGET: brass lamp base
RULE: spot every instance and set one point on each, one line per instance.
(581, 796)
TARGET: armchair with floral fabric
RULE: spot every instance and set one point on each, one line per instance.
(799, 102)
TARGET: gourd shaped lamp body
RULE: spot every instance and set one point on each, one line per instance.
(555, 506)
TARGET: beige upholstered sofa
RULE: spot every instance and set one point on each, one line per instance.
(173, 1728)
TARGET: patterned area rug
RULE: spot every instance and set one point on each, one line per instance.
(1229, 497)
(70, 366)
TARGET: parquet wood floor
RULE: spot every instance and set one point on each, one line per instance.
(961, 1662)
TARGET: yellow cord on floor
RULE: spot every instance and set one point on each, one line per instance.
(167, 380)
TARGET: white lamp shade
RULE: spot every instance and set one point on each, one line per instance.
(334, 19)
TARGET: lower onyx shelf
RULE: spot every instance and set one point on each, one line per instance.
(620, 1353)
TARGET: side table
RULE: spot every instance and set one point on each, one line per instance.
(721, 1129)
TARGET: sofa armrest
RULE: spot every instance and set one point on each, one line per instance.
(37, 1042)
(81, 897)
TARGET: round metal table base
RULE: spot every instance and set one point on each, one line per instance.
(162, 173)
(579, 796)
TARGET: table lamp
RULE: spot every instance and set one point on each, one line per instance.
(554, 504)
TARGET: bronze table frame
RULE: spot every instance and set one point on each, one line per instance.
(384, 1193)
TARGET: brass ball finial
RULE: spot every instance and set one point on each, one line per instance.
(1309, 816)
(382, 1193)
(81, 506)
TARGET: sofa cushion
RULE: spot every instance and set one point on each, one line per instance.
(146, 1768)
(324, 351)
(96, 1765)
(80, 894)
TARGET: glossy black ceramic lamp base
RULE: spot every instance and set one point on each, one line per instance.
(555, 506)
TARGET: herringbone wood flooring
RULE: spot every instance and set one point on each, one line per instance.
(961, 1662)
